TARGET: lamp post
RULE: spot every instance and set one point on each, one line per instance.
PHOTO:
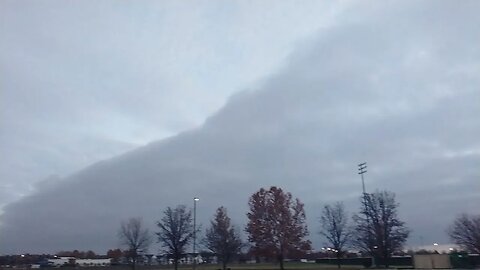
(195, 200)
(362, 169)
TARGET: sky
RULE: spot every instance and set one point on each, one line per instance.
(86, 81)
(116, 109)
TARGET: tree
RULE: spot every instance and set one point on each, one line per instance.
(276, 224)
(378, 230)
(90, 255)
(135, 238)
(77, 254)
(465, 232)
(334, 227)
(176, 231)
(222, 238)
(114, 255)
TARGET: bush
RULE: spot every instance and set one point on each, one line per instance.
(367, 263)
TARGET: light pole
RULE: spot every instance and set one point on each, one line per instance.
(362, 168)
(195, 200)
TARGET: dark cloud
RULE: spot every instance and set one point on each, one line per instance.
(394, 86)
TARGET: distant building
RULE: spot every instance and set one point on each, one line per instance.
(188, 258)
(72, 261)
(62, 261)
(440, 248)
(93, 262)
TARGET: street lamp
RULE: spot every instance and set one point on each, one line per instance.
(195, 200)
(362, 168)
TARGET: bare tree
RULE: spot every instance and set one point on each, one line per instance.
(334, 227)
(465, 232)
(176, 231)
(378, 230)
(135, 238)
(222, 238)
(276, 224)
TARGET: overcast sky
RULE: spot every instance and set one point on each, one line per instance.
(248, 94)
(84, 81)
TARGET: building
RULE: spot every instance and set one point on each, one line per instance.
(72, 261)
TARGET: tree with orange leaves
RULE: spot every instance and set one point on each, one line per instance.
(276, 224)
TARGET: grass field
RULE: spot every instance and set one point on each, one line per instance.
(253, 266)
(265, 266)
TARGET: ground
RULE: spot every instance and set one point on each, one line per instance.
(254, 266)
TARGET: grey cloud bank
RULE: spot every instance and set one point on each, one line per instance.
(86, 81)
(395, 86)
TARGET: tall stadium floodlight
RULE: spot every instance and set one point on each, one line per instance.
(362, 168)
(195, 200)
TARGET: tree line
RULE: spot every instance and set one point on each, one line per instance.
(277, 229)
